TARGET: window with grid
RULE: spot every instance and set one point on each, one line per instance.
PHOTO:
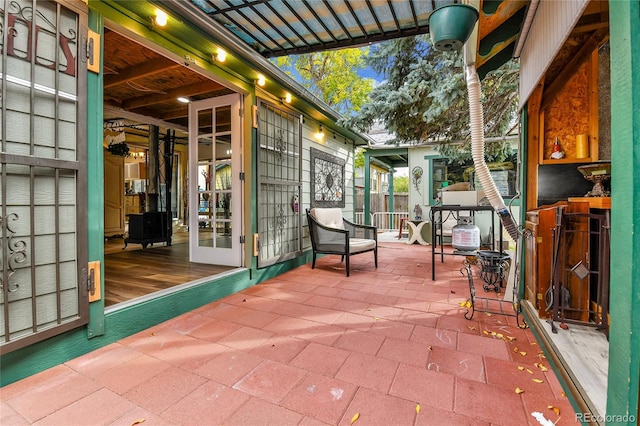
(279, 183)
(43, 180)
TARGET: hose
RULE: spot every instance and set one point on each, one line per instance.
(477, 152)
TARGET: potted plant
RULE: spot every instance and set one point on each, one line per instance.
(450, 26)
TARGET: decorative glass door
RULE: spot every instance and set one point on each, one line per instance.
(215, 197)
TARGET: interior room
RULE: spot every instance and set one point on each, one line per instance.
(146, 164)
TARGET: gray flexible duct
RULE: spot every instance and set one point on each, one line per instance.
(477, 152)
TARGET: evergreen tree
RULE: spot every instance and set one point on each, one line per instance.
(424, 98)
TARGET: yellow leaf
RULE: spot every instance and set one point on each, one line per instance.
(376, 318)
(493, 333)
(137, 422)
(520, 368)
(543, 368)
(500, 335)
(471, 327)
(511, 338)
(523, 353)
(355, 418)
(538, 380)
(515, 349)
(529, 371)
(564, 394)
(417, 408)
(554, 408)
(485, 332)
(519, 391)
(488, 314)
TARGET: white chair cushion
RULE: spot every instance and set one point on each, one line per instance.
(331, 217)
(357, 245)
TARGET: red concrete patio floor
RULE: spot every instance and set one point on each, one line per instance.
(311, 347)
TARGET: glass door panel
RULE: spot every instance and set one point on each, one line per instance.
(216, 230)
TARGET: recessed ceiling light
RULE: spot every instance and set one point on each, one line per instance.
(183, 100)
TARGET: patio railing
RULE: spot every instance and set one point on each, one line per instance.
(384, 221)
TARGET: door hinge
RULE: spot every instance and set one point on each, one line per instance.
(93, 281)
(93, 51)
(242, 239)
(242, 176)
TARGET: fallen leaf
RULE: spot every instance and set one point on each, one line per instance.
(430, 348)
(417, 408)
(529, 371)
(500, 335)
(538, 380)
(541, 367)
(493, 333)
(471, 327)
(519, 391)
(137, 422)
(453, 291)
(534, 343)
(511, 338)
(564, 394)
(523, 353)
(564, 326)
(488, 314)
(376, 318)
(554, 408)
(485, 332)
(521, 368)
(355, 418)
(515, 349)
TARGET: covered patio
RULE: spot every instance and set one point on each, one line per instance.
(386, 345)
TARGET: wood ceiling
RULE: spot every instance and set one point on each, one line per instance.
(140, 83)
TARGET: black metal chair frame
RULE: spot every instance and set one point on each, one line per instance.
(338, 239)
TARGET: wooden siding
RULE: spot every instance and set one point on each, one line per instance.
(551, 26)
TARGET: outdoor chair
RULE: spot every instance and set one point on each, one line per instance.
(333, 234)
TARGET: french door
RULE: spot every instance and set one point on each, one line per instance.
(215, 192)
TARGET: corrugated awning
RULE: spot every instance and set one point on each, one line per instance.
(286, 27)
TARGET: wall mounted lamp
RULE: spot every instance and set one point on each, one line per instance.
(261, 80)
(221, 55)
(287, 98)
(320, 134)
(161, 18)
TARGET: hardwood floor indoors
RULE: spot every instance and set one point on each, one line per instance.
(134, 272)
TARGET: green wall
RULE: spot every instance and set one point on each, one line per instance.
(624, 338)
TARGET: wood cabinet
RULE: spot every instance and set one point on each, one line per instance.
(134, 203)
(540, 249)
(539, 255)
(113, 195)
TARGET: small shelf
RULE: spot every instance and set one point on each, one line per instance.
(567, 160)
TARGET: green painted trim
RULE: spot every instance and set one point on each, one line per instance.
(367, 188)
(95, 179)
(522, 148)
(624, 335)
(430, 159)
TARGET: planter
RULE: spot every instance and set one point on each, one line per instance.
(450, 26)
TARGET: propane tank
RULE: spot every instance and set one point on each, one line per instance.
(465, 236)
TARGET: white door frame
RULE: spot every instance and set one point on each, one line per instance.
(226, 250)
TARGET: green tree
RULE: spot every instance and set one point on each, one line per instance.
(400, 184)
(332, 76)
(424, 98)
